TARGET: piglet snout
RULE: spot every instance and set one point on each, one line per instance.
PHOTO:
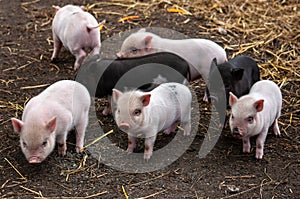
(34, 160)
(119, 55)
(124, 126)
(236, 131)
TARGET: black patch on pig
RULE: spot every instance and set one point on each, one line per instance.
(100, 76)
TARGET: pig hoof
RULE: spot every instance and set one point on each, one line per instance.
(129, 150)
(259, 156)
(53, 59)
(246, 149)
(79, 149)
(147, 156)
(62, 148)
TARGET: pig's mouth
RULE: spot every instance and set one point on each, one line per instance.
(34, 160)
(237, 136)
(236, 133)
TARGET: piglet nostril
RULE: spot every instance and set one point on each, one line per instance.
(235, 131)
(124, 126)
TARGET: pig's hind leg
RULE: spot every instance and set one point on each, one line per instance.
(172, 128)
(57, 47)
(186, 121)
(80, 132)
(80, 56)
(96, 50)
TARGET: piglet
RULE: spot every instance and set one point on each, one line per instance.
(146, 113)
(254, 113)
(197, 52)
(49, 116)
(77, 31)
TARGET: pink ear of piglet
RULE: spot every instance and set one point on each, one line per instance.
(232, 99)
(17, 125)
(116, 94)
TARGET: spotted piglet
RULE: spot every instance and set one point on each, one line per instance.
(49, 116)
(254, 113)
(144, 114)
(77, 31)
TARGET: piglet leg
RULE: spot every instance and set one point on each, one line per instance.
(276, 128)
(62, 146)
(57, 47)
(246, 145)
(96, 50)
(131, 144)
(80, 56)
(149, 143)
(80, 132)
(172, 128)
(260, 141)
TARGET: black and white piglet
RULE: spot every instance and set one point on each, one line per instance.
(100, 76)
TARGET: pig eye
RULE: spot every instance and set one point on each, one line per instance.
(250, 119)
(44, 143)
(24, 144)
(137, 112)
(134, 50)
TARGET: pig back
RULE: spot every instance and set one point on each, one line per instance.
(64, 99)
(270, 92)
(170, 101)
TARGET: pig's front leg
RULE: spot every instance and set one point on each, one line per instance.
(246, 145)
(80, 56)
(131, 144)
(61, 141)
(149, 143)
(260, 141)
(276, 128)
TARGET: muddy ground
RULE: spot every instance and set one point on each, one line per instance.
(268, 31)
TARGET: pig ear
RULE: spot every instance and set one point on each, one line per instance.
(116, 94)
(142, 30)
(237, 73)
(145, 99)
(148, 40)
(17, 124)
(232, 99)
(56, 7)
(259, 105)
(51, 125)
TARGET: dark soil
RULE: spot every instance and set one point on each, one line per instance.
(226, 172)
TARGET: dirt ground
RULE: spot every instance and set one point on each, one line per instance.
(268, 31)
